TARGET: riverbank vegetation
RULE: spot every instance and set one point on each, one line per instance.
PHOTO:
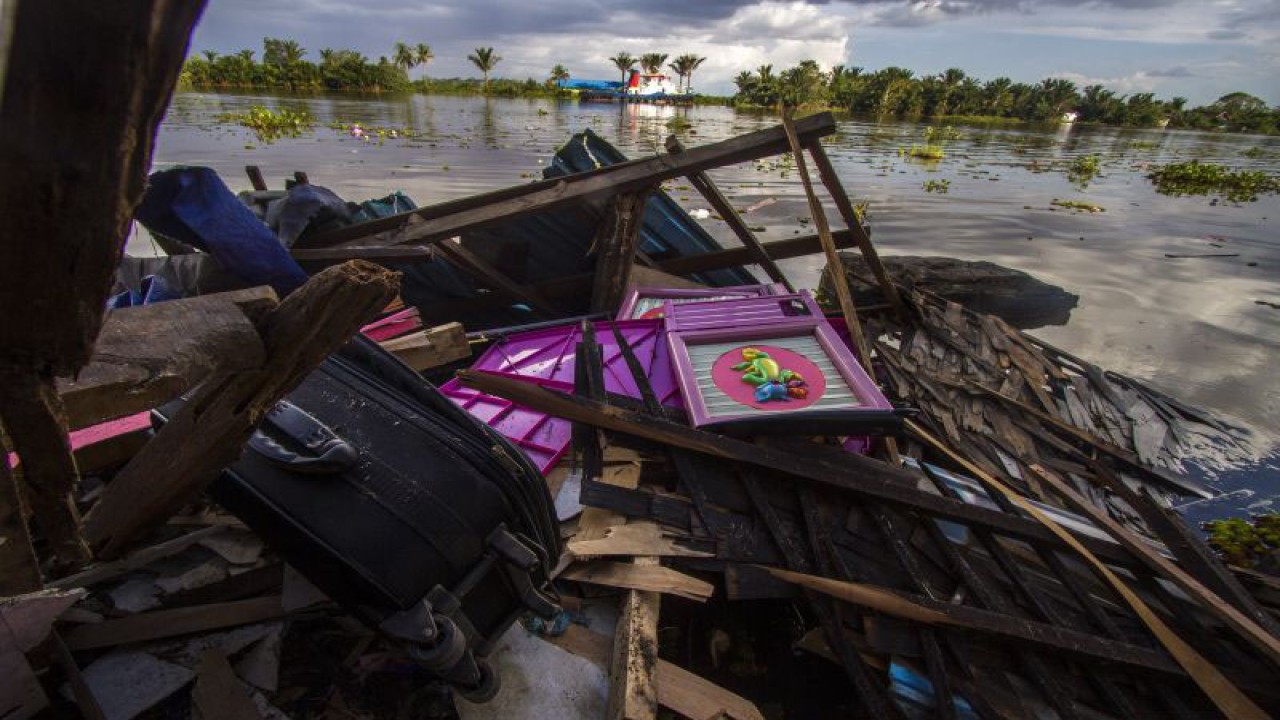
(954, 96)
(948, 97)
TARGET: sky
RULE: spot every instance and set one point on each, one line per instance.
(1198, 49)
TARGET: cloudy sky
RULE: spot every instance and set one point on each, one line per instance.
(1200, 49)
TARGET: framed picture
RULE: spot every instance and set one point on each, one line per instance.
(648, 303)
(792, 377)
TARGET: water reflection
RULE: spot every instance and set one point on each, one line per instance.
(1189, 326)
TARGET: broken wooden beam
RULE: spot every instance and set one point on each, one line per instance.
(858, 474)
(640, 577)
(493, 278)
(711, 193)
(633, 691)
(616, 244)
(210, 429)
(451, 219)
(148, 355)
(159, 624)
(430, 347)
(827, 173)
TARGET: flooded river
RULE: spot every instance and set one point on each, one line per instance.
(1195, 328)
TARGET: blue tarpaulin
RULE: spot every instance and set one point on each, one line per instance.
(193, 205)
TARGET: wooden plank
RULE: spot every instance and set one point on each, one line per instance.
(148, 355)
(678, 689)
(704, 185)
(637, 537)
(454, 218)
(827, 173)
(641, 577)
(209, 431)
(431, 347)
(616, 244)
(258, 182)
(139, 559)
(1224, 694)
(170, 623)
(861, 475)
(633, 690)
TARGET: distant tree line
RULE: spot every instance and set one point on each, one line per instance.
(896, 92)
(284, 67)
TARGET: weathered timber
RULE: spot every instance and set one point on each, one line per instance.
(19, 571)
(633, 691)
(430, 347)
(207, 433)
(704, 185)
(169, 623)
(258, 182)
(860, 475)
(1215, 685)
(103, 572)
(641, 577)
(827, 173)
(616, 243)
(1246, 627)
(67, 212)
(219, 693)
(453, 218)
(148, 355)
(1005, 627)
(35, 421)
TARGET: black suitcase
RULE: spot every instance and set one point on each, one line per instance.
(403, 508)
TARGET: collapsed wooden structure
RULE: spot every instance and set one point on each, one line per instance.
(1012, 607)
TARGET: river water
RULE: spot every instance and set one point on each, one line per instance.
(1193, 327)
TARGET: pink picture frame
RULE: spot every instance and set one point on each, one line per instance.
(642, 300)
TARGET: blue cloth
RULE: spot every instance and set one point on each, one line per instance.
(194, 206)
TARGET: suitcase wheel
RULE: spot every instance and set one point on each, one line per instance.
(489, 685)
(445, 652)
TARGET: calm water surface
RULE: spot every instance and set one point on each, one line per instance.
(1191, 327)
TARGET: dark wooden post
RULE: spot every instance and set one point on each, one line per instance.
(616, 244)
(827, 173)
(76, 135)
(209, 431)
(702, 182)
(19, 573)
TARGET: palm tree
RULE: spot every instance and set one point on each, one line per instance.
(210, 55)
(328, 55)
(484, 59)
(623, 61)
(245, 55)
(694, 62)
(292, 51)
(680, 67)
(559, 74)
(423, 55)
(652, 62)
(404, 57)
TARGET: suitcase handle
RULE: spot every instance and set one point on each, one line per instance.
(325, 452)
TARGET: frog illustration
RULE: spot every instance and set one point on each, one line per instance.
(772, 381)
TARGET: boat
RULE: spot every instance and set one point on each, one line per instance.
(656, 88)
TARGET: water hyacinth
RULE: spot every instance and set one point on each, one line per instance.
(1196, 178)
(270, 125)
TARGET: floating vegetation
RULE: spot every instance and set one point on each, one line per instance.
(679, 123)
(1246, 544)
(1259, 153)
(1078, 205)
(934, 140)
(270, 125)
(1196, 178)
(1144, 145)
(1083, 169)
(937, 186)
